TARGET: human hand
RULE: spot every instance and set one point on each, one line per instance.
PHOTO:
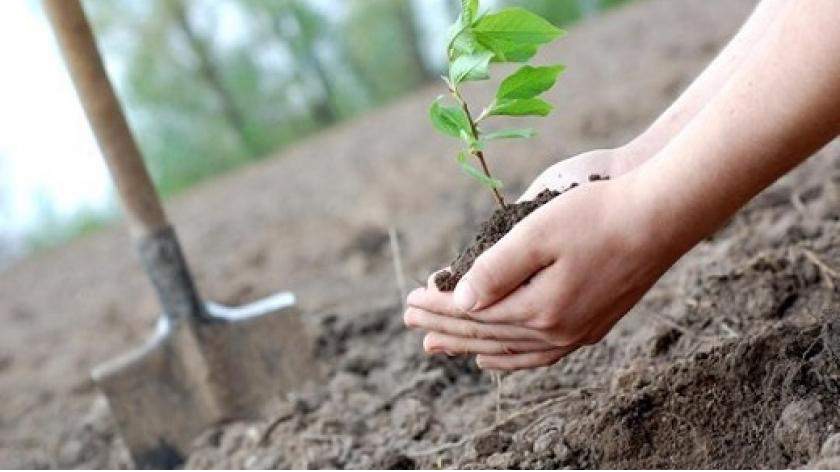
(577, 169)
(571, 270)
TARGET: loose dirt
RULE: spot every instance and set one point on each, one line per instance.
(730, 360)
(491, 231)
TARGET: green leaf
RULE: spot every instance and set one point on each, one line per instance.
(510, 134)
(528, 82)
(514, 53)
(521, 107)
(469, 8)
(470, 67)
(514, 33)
(449, 120)
(464, 43)
(470, 170)
(472, 143)
(516, 25)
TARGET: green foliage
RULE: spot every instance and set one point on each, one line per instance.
(202, 103)
(469, 9)
(469, 169)
(470, 67)
(376, 44)
(54, 229)
(510, 134)
(449, 120)
(558, 12)
(475, 40)
(513, 34)
(521, 107)
(528, 82)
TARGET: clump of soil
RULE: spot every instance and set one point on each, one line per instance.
(491, 231)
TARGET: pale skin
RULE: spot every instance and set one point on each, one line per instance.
(770, 100)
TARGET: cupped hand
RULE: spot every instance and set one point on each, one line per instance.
(559, 280)
(578, 169)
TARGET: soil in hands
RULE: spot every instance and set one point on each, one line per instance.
(491, 231)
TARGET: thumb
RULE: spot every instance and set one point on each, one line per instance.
(505, 266)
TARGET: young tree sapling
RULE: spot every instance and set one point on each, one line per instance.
(474, 42)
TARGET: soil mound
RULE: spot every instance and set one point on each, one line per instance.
(734, 364)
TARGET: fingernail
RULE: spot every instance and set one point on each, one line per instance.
(478, 362)
(464, 297)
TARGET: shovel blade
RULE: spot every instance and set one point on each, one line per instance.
(191, 376)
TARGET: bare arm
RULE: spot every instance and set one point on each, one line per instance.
(623, 159)
(708, 83)
(780, 107)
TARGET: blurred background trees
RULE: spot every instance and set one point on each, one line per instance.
(210, 85)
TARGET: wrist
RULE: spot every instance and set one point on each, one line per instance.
(631, 155)
(664, 217)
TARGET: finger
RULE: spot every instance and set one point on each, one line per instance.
(428, 321)
(435, 343)
(521, 305)
(515, 258)
(527, 360)
(435, 301)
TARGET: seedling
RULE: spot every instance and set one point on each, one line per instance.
(474, 42)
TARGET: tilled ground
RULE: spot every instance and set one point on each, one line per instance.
(729, 361)
(733, 361)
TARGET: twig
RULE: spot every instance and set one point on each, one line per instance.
(475, 134)
(396, 255)
(491, 428)
(269, 430)
(824, 268)
(540, 397)
(684, 330)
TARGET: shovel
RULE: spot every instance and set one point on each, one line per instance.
(205, 363)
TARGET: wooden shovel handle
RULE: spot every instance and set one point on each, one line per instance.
(134, 186)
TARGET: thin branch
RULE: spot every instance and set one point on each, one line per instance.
(475, 434)
(396, 255)
(828, 272)
(476, 134)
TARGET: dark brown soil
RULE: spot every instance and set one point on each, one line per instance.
(728, 359)
(733, 361)
(491, 231)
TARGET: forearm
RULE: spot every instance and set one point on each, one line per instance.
(781, 105)
(706, 85)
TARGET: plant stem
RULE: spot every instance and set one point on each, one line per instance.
(478, 154)
(499, 198)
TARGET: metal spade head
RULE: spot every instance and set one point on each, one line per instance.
(192, 375)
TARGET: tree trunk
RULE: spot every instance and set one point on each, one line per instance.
(306, 56)
(413, 42)
(210, 73)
